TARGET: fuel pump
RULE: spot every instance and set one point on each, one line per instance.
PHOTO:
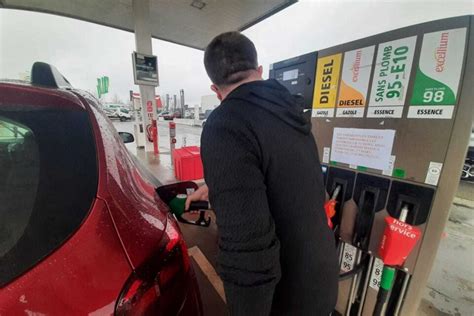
(138, 125)
(391, 154)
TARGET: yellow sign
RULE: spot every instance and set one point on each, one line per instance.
(325, 88)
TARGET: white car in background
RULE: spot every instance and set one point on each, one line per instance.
(188, 114)
(117, 111)
(123, 114)
(468, 169)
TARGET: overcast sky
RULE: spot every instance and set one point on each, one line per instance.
(84, 51)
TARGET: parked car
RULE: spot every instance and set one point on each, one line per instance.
(117, 111)
(123, 114)
(177, 114)
(468, 169)
(111, 107)
(188, 114)
(82, 228)
(169, 116)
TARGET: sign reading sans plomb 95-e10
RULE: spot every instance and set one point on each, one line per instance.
(438, 75)
(325, 88)
(391, 78)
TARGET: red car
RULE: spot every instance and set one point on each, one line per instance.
(82, 229)
(167, 116)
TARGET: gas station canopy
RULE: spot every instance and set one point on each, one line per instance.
(191, 23)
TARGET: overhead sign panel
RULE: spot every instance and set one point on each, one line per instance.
(145, 69)
(438, 75)
(355, 82)
(391, 78)
(325, 88)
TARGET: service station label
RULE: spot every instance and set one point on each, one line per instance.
(355, 78)
(438, 75)
(391, 78)
(325, 88)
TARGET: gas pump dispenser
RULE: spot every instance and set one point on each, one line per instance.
(392, 116)
(138, 125)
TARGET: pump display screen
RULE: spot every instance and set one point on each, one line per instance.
(290, 74)
(297, 75)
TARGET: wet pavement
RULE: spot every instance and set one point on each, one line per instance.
(450, 289)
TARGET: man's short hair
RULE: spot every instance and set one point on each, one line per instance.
(228, 57)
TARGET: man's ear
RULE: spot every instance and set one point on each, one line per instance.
(217, 91)
(260, 70)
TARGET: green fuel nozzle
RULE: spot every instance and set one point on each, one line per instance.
(386, 284)
(388, 276)
(178, 208)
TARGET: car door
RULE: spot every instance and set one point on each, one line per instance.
(59, 252)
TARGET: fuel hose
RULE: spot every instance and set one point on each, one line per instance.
(388, 276)
(386, 284)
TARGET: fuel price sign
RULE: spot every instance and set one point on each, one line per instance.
(438, 75)
(391, 78)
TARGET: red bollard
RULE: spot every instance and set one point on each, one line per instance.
(172, 140)
(154, 132)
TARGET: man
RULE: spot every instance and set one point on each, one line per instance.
(276, 253)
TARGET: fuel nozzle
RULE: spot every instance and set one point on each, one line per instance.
(178, 208)
(330, 205)
(398, 241)
(403, 214)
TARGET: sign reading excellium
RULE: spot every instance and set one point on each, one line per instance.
(391, 78)
(325, 88)
(355, 78)
(438, 75)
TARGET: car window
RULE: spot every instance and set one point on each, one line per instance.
(19, 170)
(48, 181)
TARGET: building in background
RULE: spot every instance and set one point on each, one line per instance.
(209, 102)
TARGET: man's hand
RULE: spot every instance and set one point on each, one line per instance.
(202, 194)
